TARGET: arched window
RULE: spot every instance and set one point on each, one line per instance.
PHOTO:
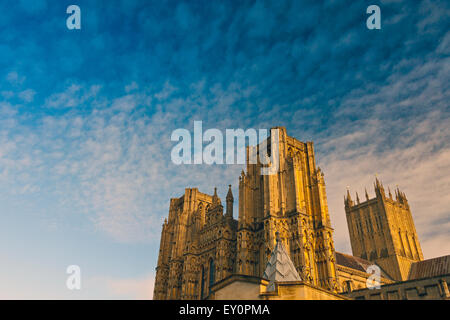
(212, 274)
(416, 254)
(402, 247)
(203, 280)
(349, 287)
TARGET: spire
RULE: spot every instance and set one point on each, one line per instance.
(279, 268)
(367, 195)
(390, 194)
(215, 198)
(379, 189)
(230, 201)
(348, 199)
(242, 177)
(404, 197)
(377, 182)
(357, 198)
(230, 193)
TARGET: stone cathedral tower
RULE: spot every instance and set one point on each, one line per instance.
(382, 230)
(201, 246)
(293, 202)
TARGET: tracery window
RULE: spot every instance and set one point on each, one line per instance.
(212, 274)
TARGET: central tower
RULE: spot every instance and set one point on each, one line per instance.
(291, 201)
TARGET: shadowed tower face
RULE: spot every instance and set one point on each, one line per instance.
(382, 230)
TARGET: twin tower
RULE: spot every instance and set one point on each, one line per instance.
(201, 245)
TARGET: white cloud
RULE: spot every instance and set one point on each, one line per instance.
(74, 95)
(14, 78)
(27, 95)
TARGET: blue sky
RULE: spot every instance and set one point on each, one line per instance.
(86, 117)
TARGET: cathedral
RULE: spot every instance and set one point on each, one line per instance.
(281, 246)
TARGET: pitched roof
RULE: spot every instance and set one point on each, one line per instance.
(430, 268)
(356, 263)
(350, 261)
(280, 268)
